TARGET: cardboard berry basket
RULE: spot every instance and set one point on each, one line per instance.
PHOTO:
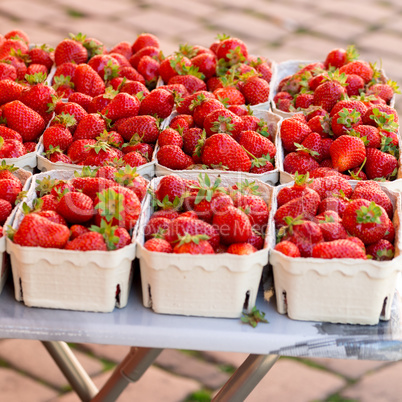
(95, 281)
(44, 165)
(290, 67)
(340, 290)
(285, 177)
(271, 177)
(25, 177)
(216, 285)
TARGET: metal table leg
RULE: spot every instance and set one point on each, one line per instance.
(130, 369)
(245, 378)
(72, 369)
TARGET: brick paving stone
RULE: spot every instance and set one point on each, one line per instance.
(39, 33)
(157, 22)
(98, 8)
(287, 380)
(352, 369)
(32, 358)
(329, 27)
(197, 10)
(113, 353)
(371, 13)
(248, 27)
(19, 388)
(187, 366)
(229, 358)
(283, 53)
(383, 385)
(29, 10)
(154, 386)
(382, 42)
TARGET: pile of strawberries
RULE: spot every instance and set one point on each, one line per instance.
(205, 134)
(10, 192)
(95, 210)
(327, 218)
(200, 217)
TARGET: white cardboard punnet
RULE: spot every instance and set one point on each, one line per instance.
(219, 285)
(341, 290)
(67, 279)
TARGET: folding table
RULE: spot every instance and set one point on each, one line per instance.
(149, 333)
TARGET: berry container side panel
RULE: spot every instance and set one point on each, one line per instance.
(217, 285)
(271, 177)
(95, 281)
(341, 290)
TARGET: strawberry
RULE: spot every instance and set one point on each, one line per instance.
(65, 70)
(63, 86)
(288, 248)
(349, 104)
(78, 150)
(203, 106)
(191, 82)
(183, 107)
(306, 205)
(332, 230)
(169, 136)
(10, 45)
(293, 132)
(255, 208)
(232, 50)
(358, 67)
(384, 91)
(76, 230)
(171, 187)
(383, 250)
(206, 64)
(122, 105)
(5, 210)
(345, 120)
(115, 237)
(151, 51)
(149, 69)
(75, 207)
(304, 100)
(328, 94)
(134, 88)
(332, 186)
(172, 66)
(343, 248)
(378, 111)
(255, 90)
(223, 150)
(37, 231)
(372, 135)
(71, 50)
(146, 127)
(299, 188)
(159, 245)
(299, 162)
(144, 40)
(24, 120)
(91, 186)
(100, 153)
(257, 144)
(7, 72)
(9, 91)
(57, 136)
(241, 249)
(365, 220)
(230, 95)
(88, 241)
(87, 81)
(173, 157)
(233, 225)
(339, 57)
(124, 48)
(41, 55)
(56, 155)
(380, 165)
(181, 226)
(134, 159)
(158, 103)
(17, 34)
(196, 244)
(130, 73)
(72, 109)
(52, 216)
(156, 225)
(11, 148)
(355, 85)
(347, 152)
(118, 205)
(89, 127)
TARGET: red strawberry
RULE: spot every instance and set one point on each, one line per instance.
(232, 50)
(331, 187)
(36, 231)
(9, 91)
(53, 216)
(171, 187)
(158, 103)
(149, 69)
(134, 87)
(173, 157)
(100, 153)
(7, 72)
(70, 50)
(76, 230)
(203, 106)
(134, 159)
(288, 248)
(328, 94)
(130, 73)
(223, 150)
(159, 245)
(124, 48)
(345, 120)
(41, 55)
(89, 241)
(78, 150)
(66, 70)
(365, 220)
(383, 250)
(196, 244)
(347, 152)
(358, 67)
(255, 208)
(343, 248)
(5, 210)
(11, 148)
(355, 84)
(146, 127)
(332, 230)
(380, 164)
(191, 82)
(151, 51)
(384, 91)
(90, 126)
(257, 144)
(17, 34)
(293, 132)
(255, 90)
(57, 136)
(10, 45)
(88, 81)
(24, 120)
(143, 40)
(172, 66)
(122, 105)
(299, 162)
(223, 121)
(156, 225)
(75, 207)
(169, 136)
(339, 57)
(349, 104)
(206, 64)
(241, 249)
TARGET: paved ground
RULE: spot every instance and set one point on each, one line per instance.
(289, 29)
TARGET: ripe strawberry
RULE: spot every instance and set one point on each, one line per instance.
(122, 105)
(255, 208)
(53, 216)
(384, 91)
(196, 244)
(75, 207)
(134, 88)
(100, 153)
(347, 152)
(304, 100)
(11, 148)
(151, 51)
(191, 82)
(365, 220)
(149, 69)
(223, 150)
(71, 109)
(299, 188)
(293, 131)
(376, 110)
(91, 186)
(171, 187)
(332, 230)
(8, 72)
(300, 162)
(383, 250)
(146, 127)
(328, 94)
(343, 248)
(24, 120)
(339, 57)
(88, 81)
(358, 67)
(257, 144)
(5, 210)
(9, 91)
(349, 104)
(56, 155)
(203, 106)
(70, 50)
(169, 136)
(65, 70)
(306, 205)
(232, 50)
(355, 85)
(41, 55)
(9, 134)
(57, 136)
(159, 245)
(223, 121)
(241, 249)
(230, 94)
(288, 248)
(88, 241)
(76, 230)
(134, 159)
(181, 226)
(255, 90)
(345, 120)
(380, 164)
(130, 73)
(332, 186)
(36, 231)
(371, 134)
(143, 40)
(90, 126)
(158, 103)
(156, 225)
(172, 66)
(78, 150)
(173, 157)
(206, 64)
(10, 45)
(17, 34)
